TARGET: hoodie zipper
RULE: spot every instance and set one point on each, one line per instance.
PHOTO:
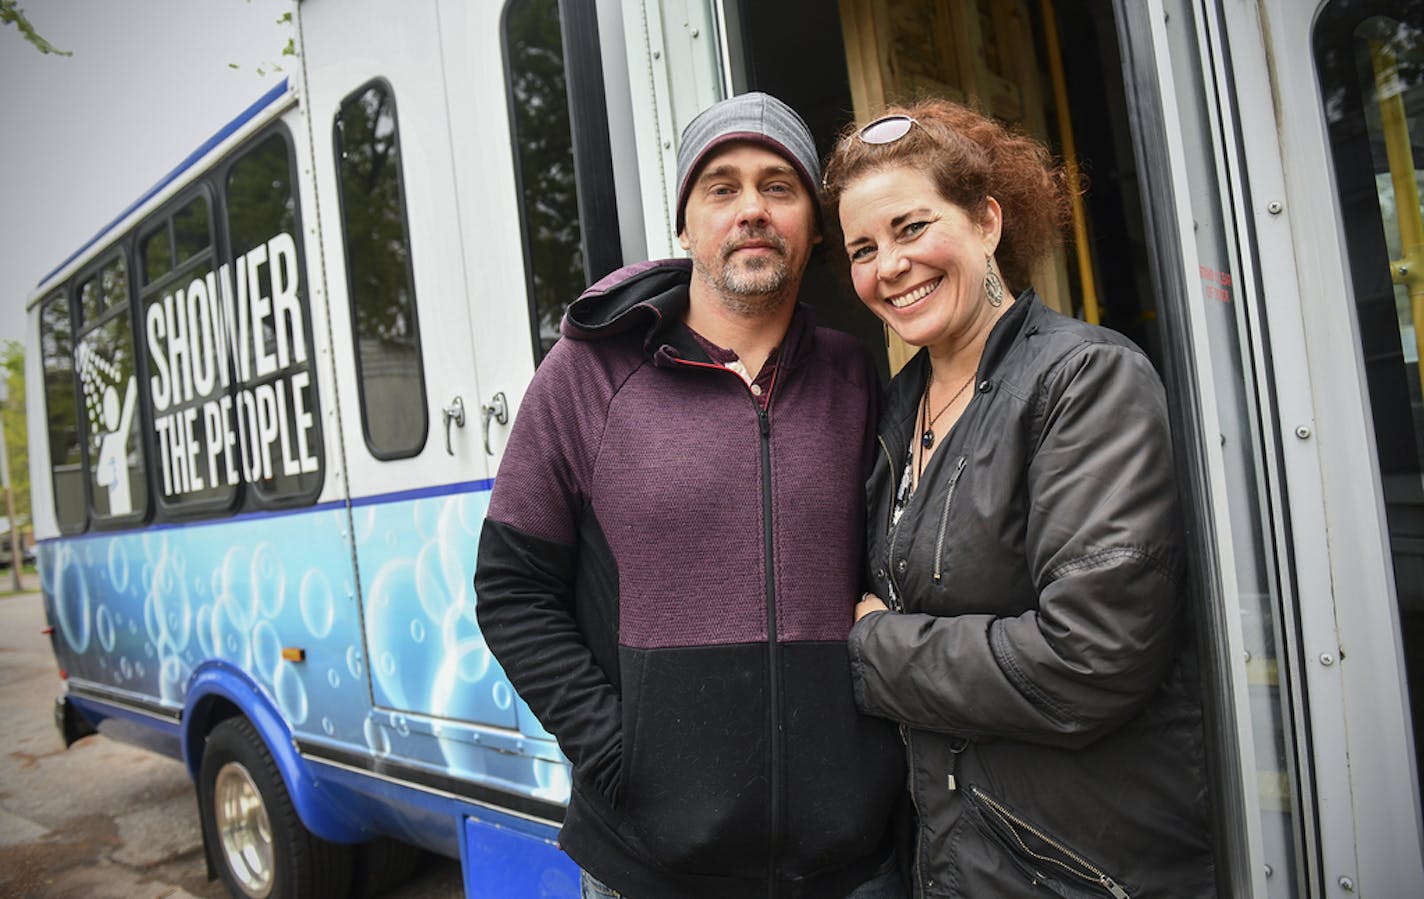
(773, 656)
(777, 749)
(1015, 824)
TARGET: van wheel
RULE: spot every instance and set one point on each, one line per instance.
(255, 841)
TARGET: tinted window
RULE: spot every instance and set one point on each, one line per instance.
(1370, 58)
(65, 454)
(544, 164)
(187, 338)
(275, 404)
(104, 360)
(378, 274)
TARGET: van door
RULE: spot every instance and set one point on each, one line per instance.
(411, 154)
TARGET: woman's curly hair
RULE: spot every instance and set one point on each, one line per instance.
(969, 157)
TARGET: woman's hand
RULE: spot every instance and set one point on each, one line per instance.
(869, 602)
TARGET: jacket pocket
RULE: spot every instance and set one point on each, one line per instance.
(1047, 859)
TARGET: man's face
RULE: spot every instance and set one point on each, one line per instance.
(749, 225)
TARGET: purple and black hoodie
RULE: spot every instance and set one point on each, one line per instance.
(667, 574)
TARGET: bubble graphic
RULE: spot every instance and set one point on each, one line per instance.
(453, 696)
(552, 779)
(354, 663)
(459, 635)
(403, 668)
(139, 669)
(118, 566)
(291, 692)
(234, 587)
(503, 695)
(125, 669)
(168, 613)
(318, 606)
(470, 511)
(269, 580)
(205, 630)
(71, 606)
(266, 650)
(229, 632)
(401, 725)
(417, 631)
(327, 727)
(333, 677)
(431, 584)
(173, 674)
(426, 515)
(376, 738)
(104, 626)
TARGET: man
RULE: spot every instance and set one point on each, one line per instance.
(672, 551)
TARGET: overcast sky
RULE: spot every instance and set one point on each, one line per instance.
(83, 136)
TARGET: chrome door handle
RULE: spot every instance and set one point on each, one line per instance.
(498, 409)
(455, 412)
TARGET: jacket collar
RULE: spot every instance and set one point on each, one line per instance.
(908, 386)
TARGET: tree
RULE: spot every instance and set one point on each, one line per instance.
(12, 414)
(10, 14)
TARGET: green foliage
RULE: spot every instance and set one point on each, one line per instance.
(10, 14)
(12, 369)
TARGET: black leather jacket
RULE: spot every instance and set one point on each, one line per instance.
(1041, 667)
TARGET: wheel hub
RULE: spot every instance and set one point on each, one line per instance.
(244, 830)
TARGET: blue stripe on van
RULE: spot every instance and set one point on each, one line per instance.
(377, 500)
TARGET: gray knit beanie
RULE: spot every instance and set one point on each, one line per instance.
(755, 117)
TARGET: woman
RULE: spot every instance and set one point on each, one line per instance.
(1023, 531)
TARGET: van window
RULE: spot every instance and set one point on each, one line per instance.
(1370, 60)
(184, 328)
(378, 274)
(108, 379)
(66, 459)
(278, 422)
(544, 165)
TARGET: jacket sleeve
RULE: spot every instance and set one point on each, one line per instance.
(525, 575)
(1103, 544)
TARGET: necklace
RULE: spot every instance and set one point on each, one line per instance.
(927, 438)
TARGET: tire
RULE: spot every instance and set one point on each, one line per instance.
(255, 842)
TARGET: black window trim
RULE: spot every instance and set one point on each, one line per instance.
(67, 294)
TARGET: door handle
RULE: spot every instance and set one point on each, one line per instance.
(498, 409)
(455, 412)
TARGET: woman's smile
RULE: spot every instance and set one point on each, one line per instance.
(915, 294)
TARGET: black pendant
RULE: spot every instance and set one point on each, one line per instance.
(927, 438)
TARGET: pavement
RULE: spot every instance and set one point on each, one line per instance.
(101, 820)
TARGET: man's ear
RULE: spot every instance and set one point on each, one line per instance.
(682, 239)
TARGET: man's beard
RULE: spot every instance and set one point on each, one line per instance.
(742, 282)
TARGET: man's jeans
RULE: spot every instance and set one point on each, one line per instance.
(884, 885)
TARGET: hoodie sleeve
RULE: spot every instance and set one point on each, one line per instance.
(528, 558)
(1103, 544)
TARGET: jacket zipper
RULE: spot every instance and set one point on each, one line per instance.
(1015, 823)
(773, 657)
(944, 519)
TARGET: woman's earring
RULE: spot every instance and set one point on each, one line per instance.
(993, 287)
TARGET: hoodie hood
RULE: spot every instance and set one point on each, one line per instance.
(651, 296)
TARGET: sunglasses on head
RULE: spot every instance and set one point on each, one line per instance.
(886, 129)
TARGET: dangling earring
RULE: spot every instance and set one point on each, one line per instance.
(993, 287)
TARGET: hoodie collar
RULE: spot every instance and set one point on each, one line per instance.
(653, 297)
